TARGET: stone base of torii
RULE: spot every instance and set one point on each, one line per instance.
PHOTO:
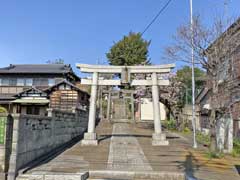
(158, 138)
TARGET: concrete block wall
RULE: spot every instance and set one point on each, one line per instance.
(187, 117)
(34, 136)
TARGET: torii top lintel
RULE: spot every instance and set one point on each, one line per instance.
(125, 72)
(165, 68)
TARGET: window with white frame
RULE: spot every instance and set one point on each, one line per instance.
(51, 82)
(5, 82)
(40, 82)
(20, 81)
(29, 82)
(12, 81)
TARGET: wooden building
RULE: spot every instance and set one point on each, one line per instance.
(226, 52)
(31, 101)
(67, 97)
(202, 109)
(17, 78)
(63, 96)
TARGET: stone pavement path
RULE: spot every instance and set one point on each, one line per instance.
(127, 147)
(125, 151)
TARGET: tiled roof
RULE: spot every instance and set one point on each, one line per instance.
(68, 83)
(36, 68)
(32, 90)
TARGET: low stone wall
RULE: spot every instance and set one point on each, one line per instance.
(35, 136)
(186, 117)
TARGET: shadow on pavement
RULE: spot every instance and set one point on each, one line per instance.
(51, 155)
(107, 136)
(238, 168)
(188, 166)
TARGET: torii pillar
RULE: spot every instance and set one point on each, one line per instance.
(158, 138)
(90, 138)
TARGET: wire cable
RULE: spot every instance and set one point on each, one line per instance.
(157, 15)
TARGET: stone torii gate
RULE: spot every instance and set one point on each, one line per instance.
(158, 138)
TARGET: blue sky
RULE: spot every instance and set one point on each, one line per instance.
(81, 31)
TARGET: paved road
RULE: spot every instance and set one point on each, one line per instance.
(125, 152)
(128, 147)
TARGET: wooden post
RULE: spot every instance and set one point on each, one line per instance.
(109, 106)
(132, 107)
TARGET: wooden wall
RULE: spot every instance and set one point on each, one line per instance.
(64, 99)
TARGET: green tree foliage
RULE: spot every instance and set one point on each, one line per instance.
(131, 50)
(184, 75)
(2, 110)
(56, 61)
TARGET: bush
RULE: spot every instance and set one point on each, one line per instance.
(2, 110)
(203, 138)
(236, 147)
(216, 155)
(186, 130)
(171, 124)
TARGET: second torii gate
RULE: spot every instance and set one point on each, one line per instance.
(158, 138)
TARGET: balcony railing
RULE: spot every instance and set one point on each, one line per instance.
(12, 89)
(16, 89)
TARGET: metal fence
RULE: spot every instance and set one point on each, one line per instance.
(3, 121)
(187, 97)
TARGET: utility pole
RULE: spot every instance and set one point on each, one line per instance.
(99, 95)
(193, 79)
(225, 18)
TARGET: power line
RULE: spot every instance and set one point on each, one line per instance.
(154, 19)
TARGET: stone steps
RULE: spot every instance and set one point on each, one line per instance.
(107, 175)
(54, 176)
(96, 179)
(135, 175)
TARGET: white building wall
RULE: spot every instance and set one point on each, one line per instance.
(147, 110)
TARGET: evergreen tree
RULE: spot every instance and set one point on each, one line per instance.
(131, 50)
